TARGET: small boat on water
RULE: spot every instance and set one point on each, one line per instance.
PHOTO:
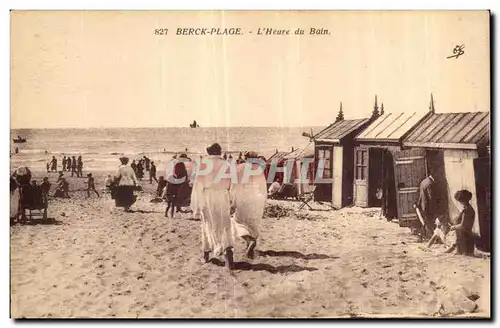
(194, 125)
(19, 140)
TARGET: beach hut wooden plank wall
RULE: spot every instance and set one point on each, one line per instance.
(460, 141)
(335, 145)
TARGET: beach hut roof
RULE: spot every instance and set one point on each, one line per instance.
(339, 130)
(451, 130)
(307, 152)
(277, 156)
(391, 127)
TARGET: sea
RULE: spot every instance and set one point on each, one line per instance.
(101, 148)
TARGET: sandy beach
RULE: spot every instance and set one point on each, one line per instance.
(95, 261)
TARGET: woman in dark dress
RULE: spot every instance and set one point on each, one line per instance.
(465, 222)
(127, 182)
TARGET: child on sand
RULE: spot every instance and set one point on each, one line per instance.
(91, 185)
(440, 232)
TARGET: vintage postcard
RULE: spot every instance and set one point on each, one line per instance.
(250, 164)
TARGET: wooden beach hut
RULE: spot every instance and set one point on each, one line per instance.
(379, 160)
(335, 145)
(302, 157)
(275, 159)
(456, 149)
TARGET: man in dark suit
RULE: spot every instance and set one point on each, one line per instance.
(427, 203)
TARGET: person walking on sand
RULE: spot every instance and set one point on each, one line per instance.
(127, 181)
(152, 173)
(210, 203)
(68, 164)
(91, 185)
(53, 164)
(248, 199)
(79, 167)
(134, 166)
(64, 163)
(48, 167)
(73, 165)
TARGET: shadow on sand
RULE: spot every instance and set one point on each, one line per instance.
(297, 255)
(48, 221)
(245, 266)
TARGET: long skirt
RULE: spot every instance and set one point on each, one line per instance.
(465, 242)
(124, 196)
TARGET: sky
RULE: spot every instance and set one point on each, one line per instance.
(108, 69)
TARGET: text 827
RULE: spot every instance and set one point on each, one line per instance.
(161, 31)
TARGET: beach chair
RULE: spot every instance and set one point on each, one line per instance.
(306, 197)
(32, 198)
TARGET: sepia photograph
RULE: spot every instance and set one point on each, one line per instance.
(250, 164)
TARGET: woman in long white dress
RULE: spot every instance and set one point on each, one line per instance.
(248, 199)
(210, 203)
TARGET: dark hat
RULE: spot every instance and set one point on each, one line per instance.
(124, 159)
(463, 195)
(214, 149)
(89, 175)
(183, 155)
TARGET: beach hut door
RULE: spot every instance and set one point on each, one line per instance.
(409, 171)
(361, 177)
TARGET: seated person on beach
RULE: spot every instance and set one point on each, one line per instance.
(62, 188)
(440, 233)
(274, 188)
(463, 229)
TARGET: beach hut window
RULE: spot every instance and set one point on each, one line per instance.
(326, 156)
(362, 164)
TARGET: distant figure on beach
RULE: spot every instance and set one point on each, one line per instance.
(53, 164)
(64, 163)
(108, 182)
(210, 202)
(79, 167)
(177, 189)
(248, 199)
(45, 187)
(240, 159)
(48, 167)
(152, 173)
(140, 170)
(147, 162)
(73, 165)
(225, 157)
(127, 181)
(62, 188)
(17, 150)
(91, 185)
(162, 183)
(134, 166)
(68, 164)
